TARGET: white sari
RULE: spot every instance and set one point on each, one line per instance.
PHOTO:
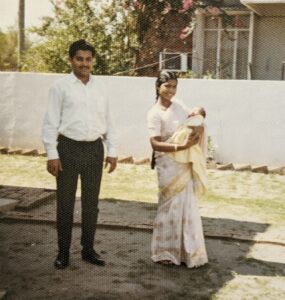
(178, 233)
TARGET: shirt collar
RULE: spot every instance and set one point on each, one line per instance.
(74, 79)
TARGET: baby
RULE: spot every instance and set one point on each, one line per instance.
(193, 154)
(198, 111)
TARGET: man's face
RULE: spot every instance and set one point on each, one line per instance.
(82, 63)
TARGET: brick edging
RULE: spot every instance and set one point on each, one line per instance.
(211, 164)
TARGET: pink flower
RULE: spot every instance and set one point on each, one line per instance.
(185, 30)
(183, 36)
(138, 5)
(166, 9)
(185, 6)
(184, 33)
(238, 22)
(213, 10)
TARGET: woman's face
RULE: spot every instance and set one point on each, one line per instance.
(168, 89)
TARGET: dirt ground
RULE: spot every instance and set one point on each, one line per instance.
(236, 270)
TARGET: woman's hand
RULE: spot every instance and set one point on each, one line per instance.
(194, 137)
(198, 129)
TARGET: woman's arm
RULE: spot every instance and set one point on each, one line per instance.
(158, 145)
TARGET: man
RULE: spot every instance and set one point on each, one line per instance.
(77, 118)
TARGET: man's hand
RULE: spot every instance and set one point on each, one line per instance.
(112, 161)
(54, 167)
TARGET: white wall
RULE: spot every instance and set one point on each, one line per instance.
(245, 118)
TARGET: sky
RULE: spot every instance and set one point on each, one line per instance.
(33, 11)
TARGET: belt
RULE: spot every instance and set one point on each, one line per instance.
(64, 138)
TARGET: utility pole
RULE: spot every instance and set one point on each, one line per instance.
(21, 32)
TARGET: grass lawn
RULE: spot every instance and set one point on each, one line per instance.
(241, 194)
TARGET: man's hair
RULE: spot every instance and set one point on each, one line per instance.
(80, 45)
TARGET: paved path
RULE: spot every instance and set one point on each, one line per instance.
(122, 214)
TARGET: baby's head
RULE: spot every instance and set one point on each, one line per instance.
(198, 111)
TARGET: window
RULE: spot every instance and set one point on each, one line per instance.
(174, 61)
(227, 53)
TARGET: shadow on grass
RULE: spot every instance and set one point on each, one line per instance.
(130, 274)
(227, 257)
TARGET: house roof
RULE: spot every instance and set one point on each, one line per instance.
(270, 8)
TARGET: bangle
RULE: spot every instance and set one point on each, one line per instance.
(175, 147)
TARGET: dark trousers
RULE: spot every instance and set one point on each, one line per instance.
(84, 159)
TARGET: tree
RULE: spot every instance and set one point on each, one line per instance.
(107, 26)
(149, 10)
(156, 21)
(121, 31)
(8, 53)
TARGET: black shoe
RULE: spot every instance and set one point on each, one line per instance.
(92, 257)
(62, 260)
(92, 251)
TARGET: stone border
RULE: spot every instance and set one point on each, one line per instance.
(252, 168)
(211, 163)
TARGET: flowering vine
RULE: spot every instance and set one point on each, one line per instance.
(147, 9)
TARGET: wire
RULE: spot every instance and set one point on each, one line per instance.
(210, 61)
(147, 66)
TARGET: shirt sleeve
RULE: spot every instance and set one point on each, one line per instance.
(153, 124)
(51, 122)
(111, 134)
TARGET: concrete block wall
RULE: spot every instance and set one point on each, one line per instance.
(245, 118)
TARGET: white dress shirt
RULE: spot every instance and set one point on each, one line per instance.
(80, 112)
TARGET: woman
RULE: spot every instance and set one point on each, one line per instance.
(178, 234)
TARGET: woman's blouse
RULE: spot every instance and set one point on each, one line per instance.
(163, 122)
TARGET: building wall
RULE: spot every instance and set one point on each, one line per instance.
(245, 118)
(268, 47)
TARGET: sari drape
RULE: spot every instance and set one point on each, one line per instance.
(177, 234)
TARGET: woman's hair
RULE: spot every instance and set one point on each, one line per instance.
(80, 45)
(163, 77)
